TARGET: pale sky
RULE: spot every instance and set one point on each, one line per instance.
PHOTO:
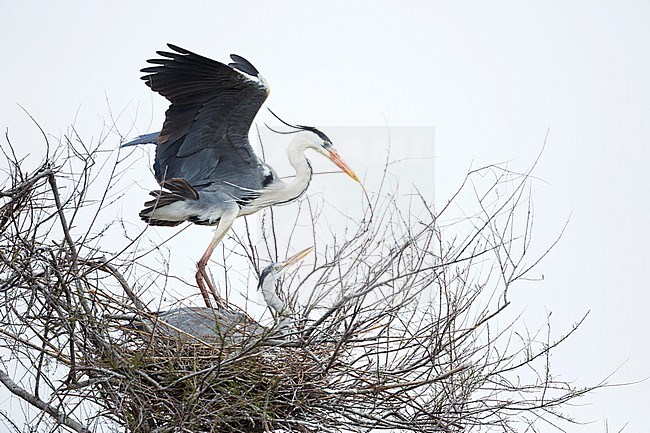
(489, 77)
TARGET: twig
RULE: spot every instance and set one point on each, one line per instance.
(40, 404)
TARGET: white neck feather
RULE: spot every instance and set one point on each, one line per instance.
(271, 298)
(296, 153)
(284, 192)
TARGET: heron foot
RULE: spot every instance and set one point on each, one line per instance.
(205, 285)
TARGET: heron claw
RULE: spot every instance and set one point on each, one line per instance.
(205, 285)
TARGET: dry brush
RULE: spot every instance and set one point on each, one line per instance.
(403, 327)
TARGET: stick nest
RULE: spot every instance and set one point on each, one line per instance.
(216, 385)
(396, 334)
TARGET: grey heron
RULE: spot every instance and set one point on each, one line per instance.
(206, 322)
(269, 277)
(205, 165)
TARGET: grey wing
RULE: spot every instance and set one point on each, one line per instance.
(208, 322)
(143, 139)
(204, 138)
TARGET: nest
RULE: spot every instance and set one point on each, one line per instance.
(215, 385)
(395, 334)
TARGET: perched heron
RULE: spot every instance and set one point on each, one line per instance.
(205, 322)
(206, 167)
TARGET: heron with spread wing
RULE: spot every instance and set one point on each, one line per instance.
(206, 167)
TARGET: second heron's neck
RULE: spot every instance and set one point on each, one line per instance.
(271, 297)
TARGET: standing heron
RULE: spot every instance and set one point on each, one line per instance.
(206, 167)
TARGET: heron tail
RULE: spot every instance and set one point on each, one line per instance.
(156, 212)
(143, 139)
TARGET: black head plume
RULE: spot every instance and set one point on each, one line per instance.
(298, 128)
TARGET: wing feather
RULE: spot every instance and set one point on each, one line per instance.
(204, 138)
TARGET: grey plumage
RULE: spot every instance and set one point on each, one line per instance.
(204, 323)
(143, 139)
(204, 139)
(205, 165)
(221, 323)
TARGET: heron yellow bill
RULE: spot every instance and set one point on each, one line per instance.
(336, 159)
(296, 258)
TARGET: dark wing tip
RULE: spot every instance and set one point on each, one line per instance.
(166, 54)
(243, 65)
(178, 49)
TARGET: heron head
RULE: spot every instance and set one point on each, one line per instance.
(321, 143)
(275, 270)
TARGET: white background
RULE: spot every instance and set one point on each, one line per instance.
(490, 77)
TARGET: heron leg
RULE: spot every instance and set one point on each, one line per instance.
(202, 277)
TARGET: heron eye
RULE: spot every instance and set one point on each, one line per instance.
(327, 144)
(278, 268)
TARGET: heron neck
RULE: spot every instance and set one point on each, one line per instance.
(297, 159)
(271, 298)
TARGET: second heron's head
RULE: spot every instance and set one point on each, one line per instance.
(272, 272)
